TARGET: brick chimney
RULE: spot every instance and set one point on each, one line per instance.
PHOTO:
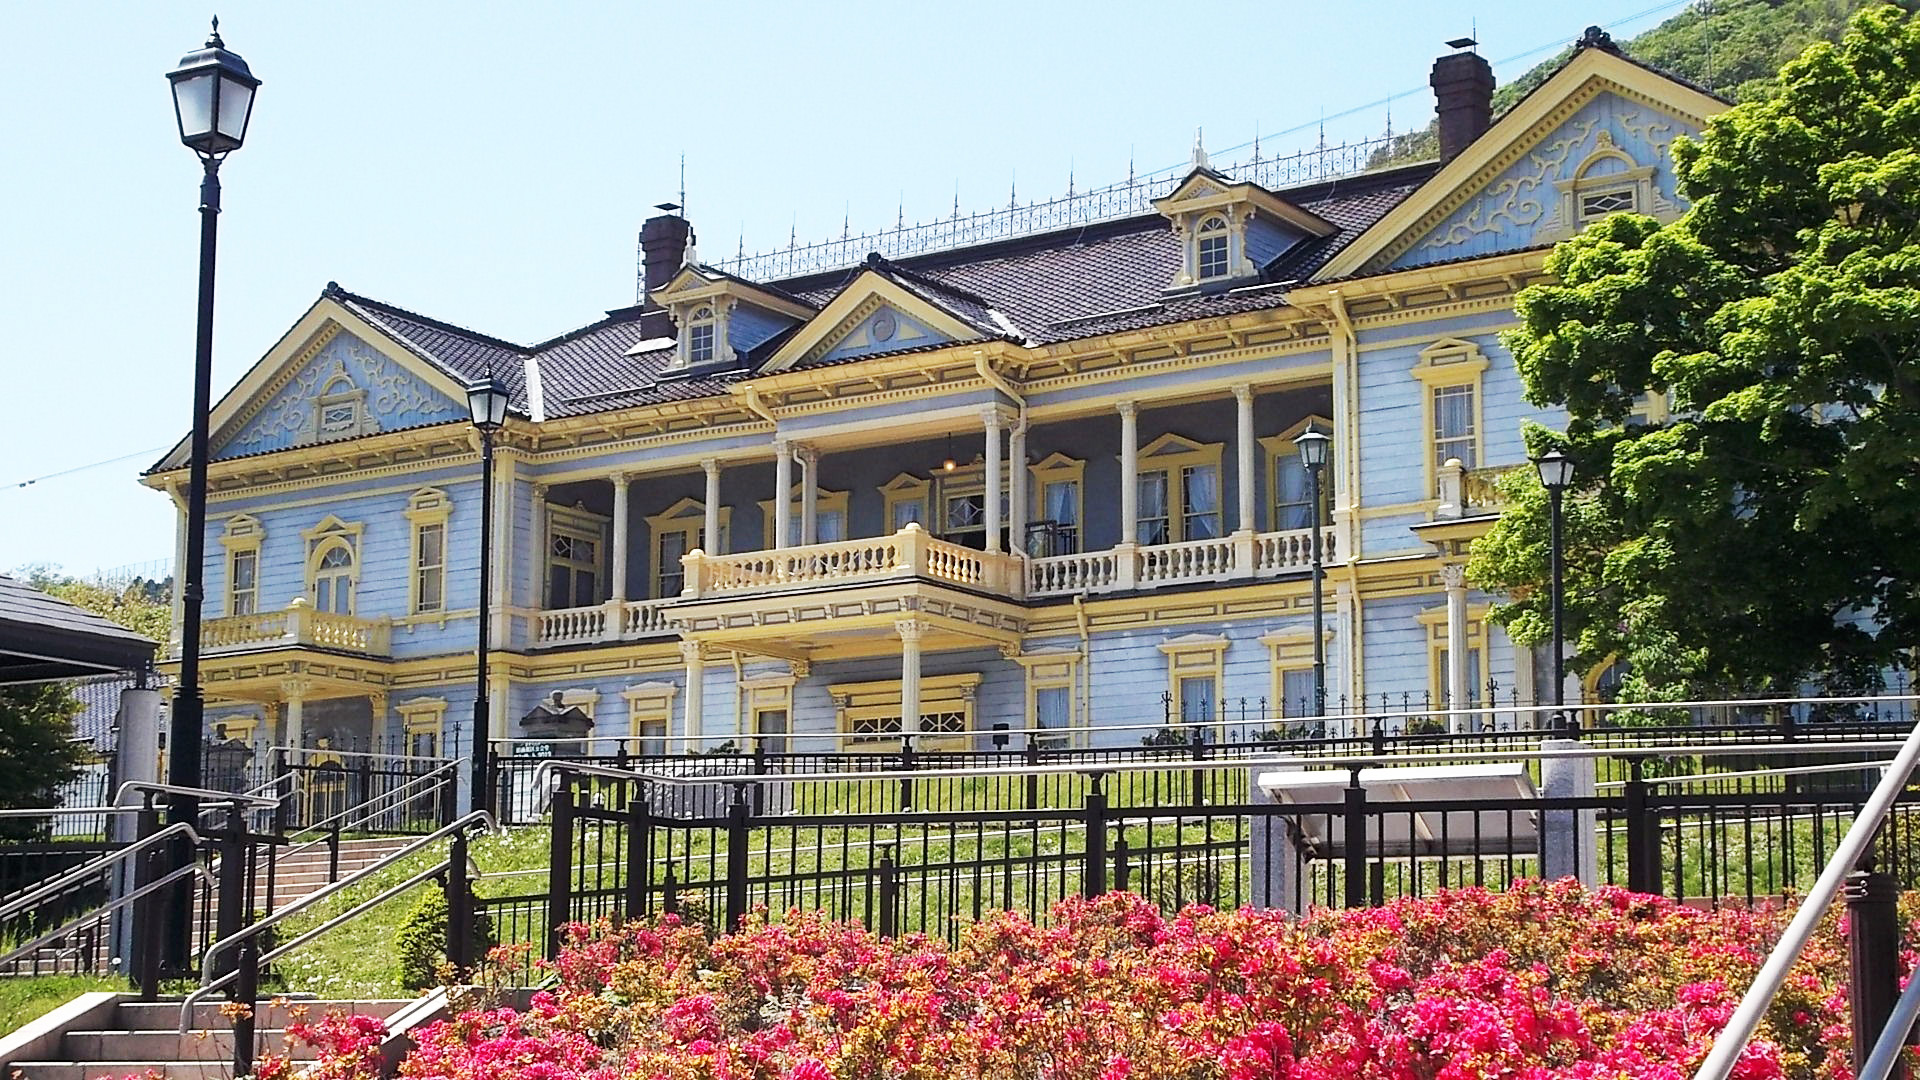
(663, 250)
(1463, 98)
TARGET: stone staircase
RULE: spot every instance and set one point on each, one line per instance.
(298, 874)
(104, 1035)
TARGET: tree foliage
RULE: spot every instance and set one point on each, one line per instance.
(1732, 47)
(138, 604)
(38, 752)
(1769, 531)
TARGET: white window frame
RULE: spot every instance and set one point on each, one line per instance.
(333, 534)
(242, 539)
(1446, 365)
(428, 508)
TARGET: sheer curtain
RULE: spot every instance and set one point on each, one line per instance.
(1203, 503)
(1292, 509)
(1153, 509)
(1062, 508)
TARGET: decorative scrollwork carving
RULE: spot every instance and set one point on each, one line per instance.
(1516, 200)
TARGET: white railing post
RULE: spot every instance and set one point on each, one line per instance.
(299, 614)
(693, 567)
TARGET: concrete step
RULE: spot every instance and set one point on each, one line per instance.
(211, 1069)
(165, 1016)
(202, 1045)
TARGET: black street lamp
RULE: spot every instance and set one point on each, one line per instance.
(487, 401)
(1313, 447)
(1556, 473)
(212, 100)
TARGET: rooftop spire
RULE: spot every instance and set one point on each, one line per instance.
(1199, 149)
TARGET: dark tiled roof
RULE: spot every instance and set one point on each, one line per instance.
(461, 353)
(99, 706)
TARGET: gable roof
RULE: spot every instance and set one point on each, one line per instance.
(1592, 69)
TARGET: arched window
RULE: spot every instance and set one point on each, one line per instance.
(333, 579)
(700, 336)
(1210, 250)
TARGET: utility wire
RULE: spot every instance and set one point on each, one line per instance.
(31, 481)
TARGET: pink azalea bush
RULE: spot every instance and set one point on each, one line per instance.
(1542, 981)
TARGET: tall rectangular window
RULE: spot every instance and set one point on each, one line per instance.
(1060, 507)
(1053, 711)
(907, 512)
(1453, 425)
(243, 584)
(1200, 502)
(1197, 705)
(573, 571)
(1296, 693)
(430, 568)
(1155, 526)
(673, 574)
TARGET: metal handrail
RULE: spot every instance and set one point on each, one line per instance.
(1217, 762)
(479, 817)
(198, 793)
(21, 901)
(1749, 774)
(1357, 714)
(391, 793)
(1733, 1038)
(352, 753)
(208, 987)
(191, 869)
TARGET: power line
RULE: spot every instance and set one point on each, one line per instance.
(31, 481)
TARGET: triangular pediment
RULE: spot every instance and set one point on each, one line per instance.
(332, 376)
(873, 314)
(1204, 189)
(696, 282)
(1520, 184)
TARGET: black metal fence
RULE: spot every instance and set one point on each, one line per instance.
(713, 850)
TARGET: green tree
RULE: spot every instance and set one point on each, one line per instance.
(1769, 531)
(143, 606)
(38, 752)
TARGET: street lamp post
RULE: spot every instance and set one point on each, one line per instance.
(213, 95)
(487, 401)
(1313, 447)
(1556, 473)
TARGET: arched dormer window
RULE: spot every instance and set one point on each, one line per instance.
(1211, 244)
(702, 335)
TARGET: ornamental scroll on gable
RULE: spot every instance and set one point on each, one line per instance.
(1611, 155)
(342, 389)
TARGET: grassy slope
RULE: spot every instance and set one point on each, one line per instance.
(26, 998)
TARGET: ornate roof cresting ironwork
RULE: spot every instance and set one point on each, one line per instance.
(1131, 198)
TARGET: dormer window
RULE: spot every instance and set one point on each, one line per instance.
(700, 336)
(1210, 255)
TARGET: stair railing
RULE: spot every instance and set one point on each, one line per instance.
(245, 975)
(1733, 1038)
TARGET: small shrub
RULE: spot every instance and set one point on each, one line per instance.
(419, 947)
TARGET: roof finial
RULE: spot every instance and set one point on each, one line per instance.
(213, 39)
(956, 198)
(1013, 190)
(846, 219)
(1199, 149)
(1069, 178)
(1129, 166)
(793, 233)
(1596, 38)
(740, 252)
(1256, 144)
(683, 185)
(900, 218)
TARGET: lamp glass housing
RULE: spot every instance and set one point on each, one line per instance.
(487, 402)
(213, 93)
(1313, 447)
(1556, 470)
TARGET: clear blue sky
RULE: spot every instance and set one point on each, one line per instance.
(490, 163)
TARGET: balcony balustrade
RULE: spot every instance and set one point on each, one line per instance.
(911, 554)
(298, 626)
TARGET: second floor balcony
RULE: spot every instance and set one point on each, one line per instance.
(911, 554)
(300, 625)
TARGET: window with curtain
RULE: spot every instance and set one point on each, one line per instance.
(243, 583)
(1052, 711)
(1200, 502)
(829, 525)
(1296, 690)
(1060, 504)
(667, 552)
(333, 581)
(1473, 678)
(1197, 703)
(1154, 527)
(908, 511)
(1453, 425)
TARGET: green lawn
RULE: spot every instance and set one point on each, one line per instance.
(28, 997)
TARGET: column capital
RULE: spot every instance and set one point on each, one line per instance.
(995, 417)
(693, 652)
(1243, 393)
(710, 465)
(782, 445)
(1453, 575)
(540, 489)
(807, 453)
(619, 478)
(910, 630)
(295, 689)
(1128, 409)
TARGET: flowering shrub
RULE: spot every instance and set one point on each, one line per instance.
(1542, 981)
